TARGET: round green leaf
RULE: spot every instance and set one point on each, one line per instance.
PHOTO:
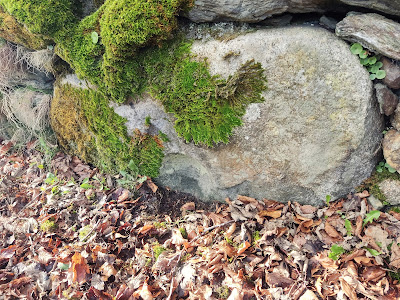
(364, 61)
(363, 54)
(356, 48)
(372, 60)
(95, 37)
(374, 69)
(372, 76)
(380, 74)
(379, 64)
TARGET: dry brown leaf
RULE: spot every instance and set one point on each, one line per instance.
(107, 270)
(124, 195)
(331, 231)
(362, 195)
(278, 280)
(373, 273)
(308, 295)
(348, 290)
(306, 226)
(273, 214)
(395, 257)
(243, 247)
(365, 261)
(146, 228)
(188, 206)
(152, 185)
(231, 230)
(79, 268)
(325, 261)
(359, 223)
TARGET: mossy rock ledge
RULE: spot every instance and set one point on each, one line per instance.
(315, 131)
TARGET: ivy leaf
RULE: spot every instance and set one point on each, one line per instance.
(336, 251)
(371, 216)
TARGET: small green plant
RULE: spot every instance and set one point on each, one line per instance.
(373, 251)
(163, 137)
(48, 226)
(336, 251)
(84, 233)
(160, 225)
(85, 184)
(349, 228)
(183, 232)
(256, 236)
(222, 292)
(371, 216)
(147, 121)
(157, 250)
(382, 165)
(328, 199)
(370, 62)
(51, 179)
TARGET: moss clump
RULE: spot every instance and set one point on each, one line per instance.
(372, 183)
(45, 17)
(48, 226)
(16, 32)
(157, 250)
(86, 126)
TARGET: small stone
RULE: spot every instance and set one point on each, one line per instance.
(387, 99)
(391, 148)
(392, 70)
(373, 31)
(391, 189)
(329, 23)
(391, 7)
(375, 202)
(396, 118)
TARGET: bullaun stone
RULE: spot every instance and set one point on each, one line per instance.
(373, 31)
(317, 133)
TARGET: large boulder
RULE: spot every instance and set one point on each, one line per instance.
(317, 133)
(251, 10)
(373, 31)
(391, 7)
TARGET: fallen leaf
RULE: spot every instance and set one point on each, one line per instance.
(395, 257)
(331, 231)
(243, 247)
(188, 206)
(146, 228)
(373, 273)
(79, 268)
(152, 185)
(273, 214)
(348, 290)
(308, 295)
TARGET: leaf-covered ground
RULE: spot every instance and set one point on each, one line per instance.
(69, 232)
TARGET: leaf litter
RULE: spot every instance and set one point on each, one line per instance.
(104, 241)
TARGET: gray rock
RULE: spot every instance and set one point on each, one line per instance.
(386, 98)
(317, 133)
(373, 31)
(251, 10)
(376, 204)
(392, 70)
(396, 118)
(330, 23)
(391, 189)
(391, 148)
(391, 7)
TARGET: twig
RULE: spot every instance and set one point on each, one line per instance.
(210, 229)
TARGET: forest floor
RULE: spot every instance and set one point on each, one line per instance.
(70, 232)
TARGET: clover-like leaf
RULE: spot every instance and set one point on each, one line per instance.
(380, 74)
(356, 48)
(364, 61)
(372, 76)
(379, 64)
(372, 60)
(363, 54)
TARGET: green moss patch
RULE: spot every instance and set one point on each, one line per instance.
(86, 126)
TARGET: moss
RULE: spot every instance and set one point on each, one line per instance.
(372, 183)
(45, 17)
(48, 226)
(13, 31)
(157, 250)
(87, 127)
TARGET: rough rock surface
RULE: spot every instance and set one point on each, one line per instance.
(391, 148)
(391, 7)
(392, 70)
(396, 118)
(386, 98)
(373, 31)
(317, 132)
(391, 189)
(251, 10)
